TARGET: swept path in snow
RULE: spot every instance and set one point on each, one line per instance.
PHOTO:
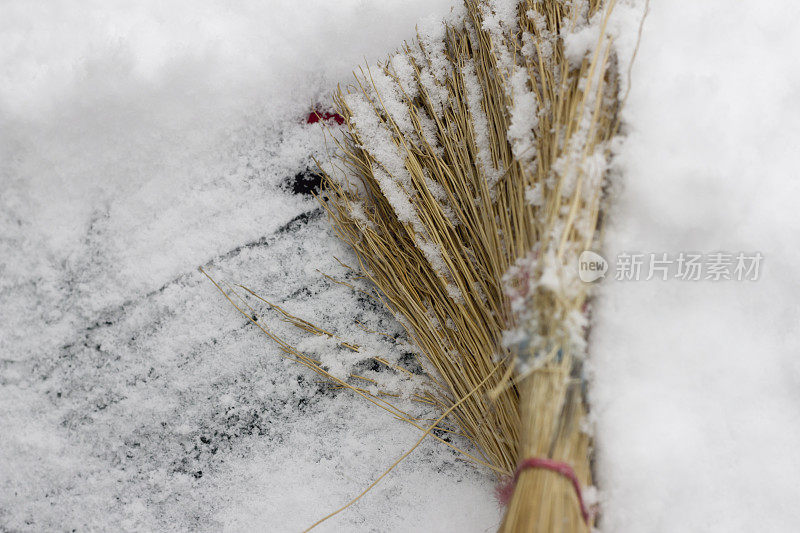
(138, 142)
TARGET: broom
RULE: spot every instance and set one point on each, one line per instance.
(468, 180)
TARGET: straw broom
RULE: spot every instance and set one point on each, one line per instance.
(468, 180)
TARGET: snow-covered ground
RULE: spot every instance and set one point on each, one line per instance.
(140, 141)
(697, 383)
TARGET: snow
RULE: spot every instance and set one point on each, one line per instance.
(480, 123)
(138, 142)
(524, 117)
(696, 384)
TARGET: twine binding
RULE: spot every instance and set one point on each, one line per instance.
(505, 491)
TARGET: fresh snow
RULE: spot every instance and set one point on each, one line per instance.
(138, 142)
(696, 387)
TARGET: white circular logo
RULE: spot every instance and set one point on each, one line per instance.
(591, 266)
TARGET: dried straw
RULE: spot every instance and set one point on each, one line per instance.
(468, 181)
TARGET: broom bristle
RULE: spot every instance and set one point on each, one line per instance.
(468, 181)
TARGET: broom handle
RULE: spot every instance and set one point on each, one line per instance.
(547, 495)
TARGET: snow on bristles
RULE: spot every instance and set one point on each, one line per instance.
(481, 151)
(480, 124)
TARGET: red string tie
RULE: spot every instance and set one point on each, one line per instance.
(504, 492)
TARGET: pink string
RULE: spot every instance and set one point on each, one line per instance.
(505, 491)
